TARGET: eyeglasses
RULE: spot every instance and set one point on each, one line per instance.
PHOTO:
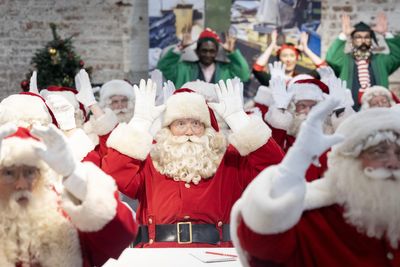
(9, 175)
(381, 153)
(183, 125)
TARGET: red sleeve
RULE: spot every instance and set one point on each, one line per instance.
(109, 242)
(269, 248)
(126, 171)
(267, 155)
(262, 107)
(96, 155)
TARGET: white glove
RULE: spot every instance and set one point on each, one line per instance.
(145, 109)
(310, 143)
(168, 90)
(157, 78)
(6, 130)
(57, 154)
(235, 81)
(338, 90)
(230, 106)
(279, 93)
(277, 69)
(85, 92)
(326, 73)
(33, 83)
(63, 111)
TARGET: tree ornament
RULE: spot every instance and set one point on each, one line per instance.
(52, 51)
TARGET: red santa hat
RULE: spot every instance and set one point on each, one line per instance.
(364, 124)
(377, 90)
(308, 89)
(69, 94)
(185, 104)
(25, 109)
(289, 46)
(19, 149)
(115, 87)
(209, 35)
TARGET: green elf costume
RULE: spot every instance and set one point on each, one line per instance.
(377, 67)
(180, 72)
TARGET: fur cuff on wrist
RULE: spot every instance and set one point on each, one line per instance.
(251, 137)
(99, 206)
(131, 142)
(105, 123)
(266, 215)
(279, 119)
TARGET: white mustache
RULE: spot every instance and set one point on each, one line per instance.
(381, 173)
(185, 138)
(121, 110)
(21, 194)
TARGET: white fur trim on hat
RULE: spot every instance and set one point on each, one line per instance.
(372, 91)
(264, 96)
(131, 142)
(207, 90)
(105, 123)
(99, 206)
(116, 87)
(359, 126)
(251, 137)
(264, 214)
(305, 91)
(20, 151)
(24, 110)
(186, 105)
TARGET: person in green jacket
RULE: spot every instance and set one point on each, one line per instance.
(361, 68)
(207, 67)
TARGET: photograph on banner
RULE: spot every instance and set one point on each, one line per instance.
(254, 21)
(168, 20)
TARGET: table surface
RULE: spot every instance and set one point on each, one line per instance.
(169, 257)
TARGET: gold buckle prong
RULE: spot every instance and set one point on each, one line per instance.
(178, 232)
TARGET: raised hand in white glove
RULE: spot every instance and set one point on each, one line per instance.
(59, 157)
(230, 106)
(326, 73)
(338, 90)
(85, 92)
(62, 110)
(145, 109)
(277, 69)
(310, 143)
(33, 88)
(6, 130)
(168, 90)
(279, 93)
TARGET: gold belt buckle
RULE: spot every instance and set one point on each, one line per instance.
(178, 232)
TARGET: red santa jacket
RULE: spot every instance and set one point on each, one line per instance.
(165, 201)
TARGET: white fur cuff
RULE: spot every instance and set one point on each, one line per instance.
(99, 206)
(278, 119)
(266, 215)
(131, 142)
(251, 137)
(105, 123)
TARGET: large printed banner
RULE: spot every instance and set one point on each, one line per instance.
(251, 21)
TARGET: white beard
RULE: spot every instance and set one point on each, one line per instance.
(188, 159)
(298, 119)
(371, 204)
(37, 233)
(124, 115)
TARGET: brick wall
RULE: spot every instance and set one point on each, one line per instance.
(113, 34)
(359, 10)
(109, 36)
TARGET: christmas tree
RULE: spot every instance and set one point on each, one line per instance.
(56, 63)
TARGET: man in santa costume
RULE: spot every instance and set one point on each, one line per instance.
(84, 225)
(350, 217)
(187, 181)
(207, 67)
(378, 96)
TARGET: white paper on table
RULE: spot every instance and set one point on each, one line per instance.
(209, 257)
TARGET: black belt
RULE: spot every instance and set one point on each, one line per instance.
(184, 233)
